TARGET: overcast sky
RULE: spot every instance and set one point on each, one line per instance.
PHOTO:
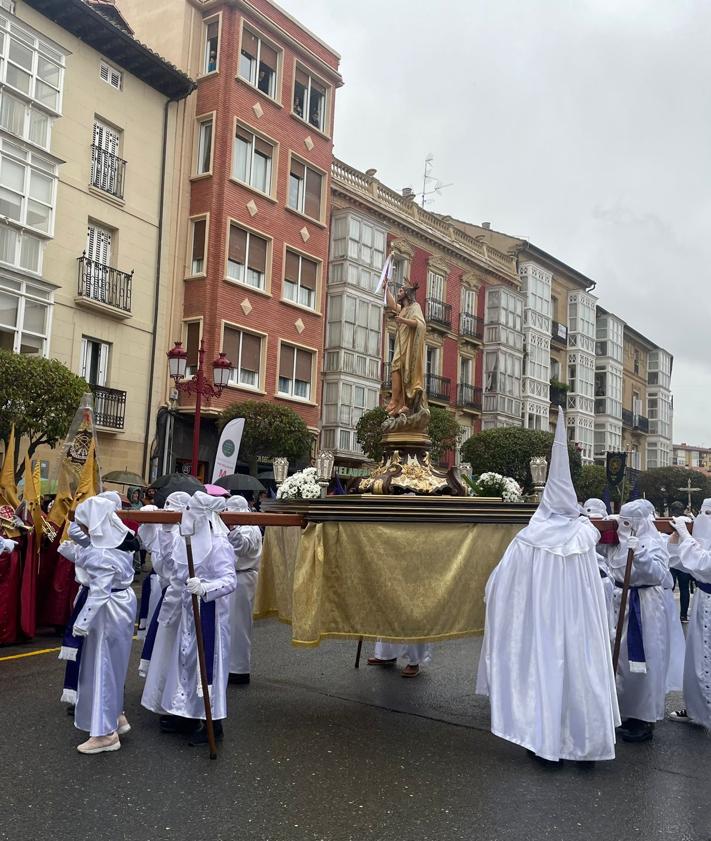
(582, 125)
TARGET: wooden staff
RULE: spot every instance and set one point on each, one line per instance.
(358, 650)
(201, 657)
(623, 608)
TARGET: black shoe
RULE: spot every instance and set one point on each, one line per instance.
(239, 679)
(199, 737)
(176, 724)
(70, 709)
(638, 731)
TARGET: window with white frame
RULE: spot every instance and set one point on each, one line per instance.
(258, 63)
(252, 160)
(310, 99)
(305, 189)
(31, 65)
(95, 361)
(21, 249)
(204, 146)
(107, 167)
(197, 248)
(98, 245)
(435, 285)
(191, 343)
(295, 368)
(25, 310)
(212, 46)
(468, 301)
(300, 277)
(505, 308)
(110, 75)
(466, 370)
(432, 361)
(24, 120)
(244, 350)
(247, 257)
(502, 373)
(366, 244)
(27, 188)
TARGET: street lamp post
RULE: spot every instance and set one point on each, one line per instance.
(198, 384)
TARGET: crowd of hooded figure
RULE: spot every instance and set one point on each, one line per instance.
(552, 610)
(98, 639)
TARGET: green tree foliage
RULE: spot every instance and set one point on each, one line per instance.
(269, 430)
(443, 429)
(508, 451)
(39, 396)
(661, 486)
(591, 482)
(369, 432)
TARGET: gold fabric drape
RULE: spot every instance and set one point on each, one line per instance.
(422, 582)
(409, 351)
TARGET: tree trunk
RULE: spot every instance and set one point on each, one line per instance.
(252, 461)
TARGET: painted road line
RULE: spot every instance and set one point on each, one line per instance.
(33, 653)
(29, 654)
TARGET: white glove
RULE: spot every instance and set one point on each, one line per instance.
(7, 545)
(632, 542)
(79, 632)
(196, 587)
(680, 527)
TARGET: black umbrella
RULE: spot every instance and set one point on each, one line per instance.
(172, 482)
(240, 482)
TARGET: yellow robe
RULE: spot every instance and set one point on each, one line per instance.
(409, 354)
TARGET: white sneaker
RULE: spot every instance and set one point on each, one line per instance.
(123, 725)
(680, 715)
(100, 744)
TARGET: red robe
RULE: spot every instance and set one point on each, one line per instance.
(10, 573)
(57, 587)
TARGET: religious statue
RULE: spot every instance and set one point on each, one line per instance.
(409, 397)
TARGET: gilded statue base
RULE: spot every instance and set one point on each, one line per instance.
(407, 468)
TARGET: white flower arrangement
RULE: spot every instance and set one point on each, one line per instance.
(302, 485)
(494, 484)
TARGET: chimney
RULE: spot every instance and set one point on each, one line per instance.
(486, 225)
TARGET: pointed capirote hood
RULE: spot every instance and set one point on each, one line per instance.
(702, 523)
(557, 524)
(559, 496)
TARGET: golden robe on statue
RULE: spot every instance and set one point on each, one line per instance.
(409, 357)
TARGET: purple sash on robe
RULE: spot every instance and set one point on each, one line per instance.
(705, 588)
(635, 638)
(149, 642)
(145, 603)
(71, 650)
(207, 623)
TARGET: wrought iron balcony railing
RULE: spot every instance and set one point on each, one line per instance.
(438, 388)
(469, 397)
(471, 327)
(634, 421)
(104, 284)
(438, 312)
(108, 172)
(109, 407)
(559, 333)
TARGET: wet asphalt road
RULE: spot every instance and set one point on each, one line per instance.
(317, 750)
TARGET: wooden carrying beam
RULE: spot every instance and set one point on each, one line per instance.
(248, 518)
(663, 525)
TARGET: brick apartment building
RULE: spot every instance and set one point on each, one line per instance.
(255, 223)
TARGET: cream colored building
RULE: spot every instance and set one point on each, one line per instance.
(87, 131)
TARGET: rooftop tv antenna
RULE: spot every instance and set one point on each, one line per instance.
(431, 185)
